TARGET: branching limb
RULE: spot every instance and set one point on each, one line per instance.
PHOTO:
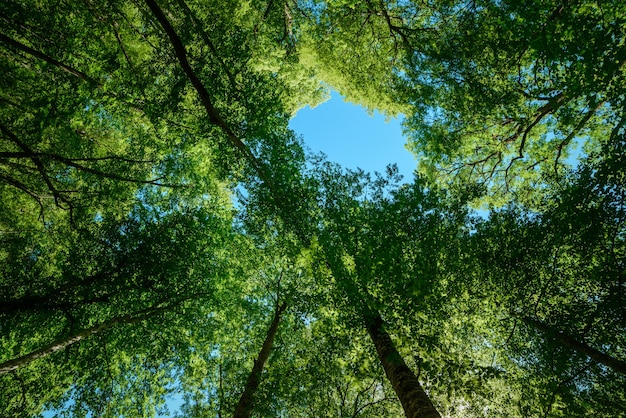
(60, 344)
(58, 198)
(20, 46)
(581, 124)
(214, 116)
(36, 158)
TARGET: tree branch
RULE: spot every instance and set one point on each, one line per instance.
(581, 347)
(214, 116)
(60, 344)
(20, 46)
(35, 157)
(581, 124)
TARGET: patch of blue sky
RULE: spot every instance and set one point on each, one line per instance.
(349, 136)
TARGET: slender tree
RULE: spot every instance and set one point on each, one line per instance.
(62, 343)
(578, 345)
(246, 401)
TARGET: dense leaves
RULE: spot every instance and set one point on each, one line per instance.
(168, 246)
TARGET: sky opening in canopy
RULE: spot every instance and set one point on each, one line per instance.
(348, 135)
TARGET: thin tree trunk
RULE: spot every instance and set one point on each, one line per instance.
(60, 344)
(244, 407)
(414, 400)
(578, 346)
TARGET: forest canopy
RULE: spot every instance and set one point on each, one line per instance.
(166, 239)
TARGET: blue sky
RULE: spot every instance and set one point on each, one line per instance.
(352, 138)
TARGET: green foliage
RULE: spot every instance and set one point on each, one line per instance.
(155, 206)
(65, 282)
(517, 88)
(352, 47)
(563, 267)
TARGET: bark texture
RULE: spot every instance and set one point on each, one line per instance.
(245, 405)
(578, 345)
(414, 400)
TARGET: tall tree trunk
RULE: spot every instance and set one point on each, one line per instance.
(60, 344)
(414, 400)
(244, 407)
(578, 346)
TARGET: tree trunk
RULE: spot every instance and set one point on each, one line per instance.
(414, 400)
(578, 346)
(244, 407)
(60, 344)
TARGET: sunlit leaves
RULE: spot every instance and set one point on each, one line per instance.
(517, 92)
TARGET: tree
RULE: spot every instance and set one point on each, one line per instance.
(126, 128)
(60, 344)
(353, 47)
(407, 386)
(495, 93)
(558, 277)
(69, 289)
(245, 404)
(524, 84)
(67, 142)
(359, 221)
(107, 83)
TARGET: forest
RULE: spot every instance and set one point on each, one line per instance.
(170, 247)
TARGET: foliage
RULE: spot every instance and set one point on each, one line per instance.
(503, 94)
(156, 210)
(519, 87)
(558, 277)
